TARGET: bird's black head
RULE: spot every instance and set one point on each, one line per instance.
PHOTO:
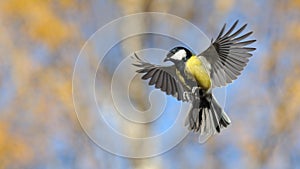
(178, 54)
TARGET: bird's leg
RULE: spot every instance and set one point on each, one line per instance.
(195, 88)
(187, 96)
(195, 92)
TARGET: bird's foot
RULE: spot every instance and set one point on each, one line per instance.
(187, 96)
(194, 89)
(196, 92)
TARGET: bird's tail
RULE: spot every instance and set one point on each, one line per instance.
(207, 117)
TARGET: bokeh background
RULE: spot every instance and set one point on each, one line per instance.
(39, 43)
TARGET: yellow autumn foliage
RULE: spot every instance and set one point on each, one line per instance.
(40, 20)
(12, 148)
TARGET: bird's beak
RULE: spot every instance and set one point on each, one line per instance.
(166, 59)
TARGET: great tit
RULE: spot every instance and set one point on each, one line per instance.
(193, 77)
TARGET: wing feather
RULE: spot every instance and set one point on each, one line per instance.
(228, 54)
(162, 77)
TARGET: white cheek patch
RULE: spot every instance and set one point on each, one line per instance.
(179, 55)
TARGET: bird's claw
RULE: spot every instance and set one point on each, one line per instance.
(196, 92)
(194, 89)
(187, 95)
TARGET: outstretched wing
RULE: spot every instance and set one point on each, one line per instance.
(228, 55)
(163, 77)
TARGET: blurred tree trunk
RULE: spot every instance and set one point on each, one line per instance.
(142, 130)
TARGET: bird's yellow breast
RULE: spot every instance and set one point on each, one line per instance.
(195, 68)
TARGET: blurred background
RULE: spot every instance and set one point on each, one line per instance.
(39, 43)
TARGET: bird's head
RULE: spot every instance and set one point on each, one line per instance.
(178, 54)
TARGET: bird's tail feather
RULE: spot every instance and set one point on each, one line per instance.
(207, 117)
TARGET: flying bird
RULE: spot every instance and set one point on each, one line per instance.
(192, 77)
